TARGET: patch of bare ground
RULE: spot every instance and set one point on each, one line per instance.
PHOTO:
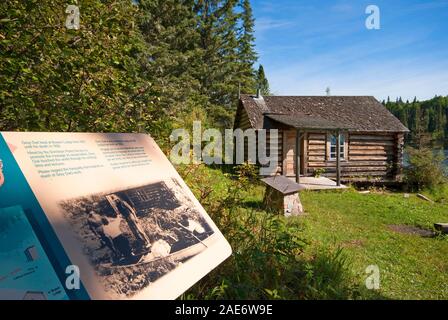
(354, 243)
(412, 230)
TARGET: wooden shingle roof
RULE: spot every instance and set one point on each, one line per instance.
(283, 184)
(354, 113)
(304, 121)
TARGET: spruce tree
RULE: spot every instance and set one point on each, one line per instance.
(262, 81)
(175, 63)
(154, 64)
(246, 49)
(226, 65)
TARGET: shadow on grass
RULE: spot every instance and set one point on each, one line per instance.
(328, 276)
(271, 266)
(255, 275)
(253, 204)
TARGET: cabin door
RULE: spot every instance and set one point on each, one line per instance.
(289, 152)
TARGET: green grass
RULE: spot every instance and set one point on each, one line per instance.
(411, 267)
(344, 232)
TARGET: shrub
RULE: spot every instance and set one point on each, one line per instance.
(91, 79)
(318, 172)
(328, 276)
(425, 169)
(247, 172)
(267, 260)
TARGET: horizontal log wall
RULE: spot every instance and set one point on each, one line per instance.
(316, 152)
(277, 152)
(367, 156)
(242, 122)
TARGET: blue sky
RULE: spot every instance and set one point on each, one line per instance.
(307, 46)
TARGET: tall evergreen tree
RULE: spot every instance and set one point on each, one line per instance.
(224, 37)
(246, 49)
(170, 29)
(229, 64)
(156, 64)
(262, 81)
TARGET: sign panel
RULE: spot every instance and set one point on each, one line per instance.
(113, 206)
(25, 270)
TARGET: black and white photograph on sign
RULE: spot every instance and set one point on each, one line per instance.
(137, 235)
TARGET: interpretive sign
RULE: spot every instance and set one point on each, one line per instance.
(98, 216)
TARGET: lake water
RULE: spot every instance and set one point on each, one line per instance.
(445, 162)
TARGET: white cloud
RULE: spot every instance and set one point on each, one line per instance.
(396, 78)
(264, 24)
(313, 51)
(365, 68)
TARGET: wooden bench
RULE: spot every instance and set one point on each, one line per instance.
(282, 195)
(442, 227)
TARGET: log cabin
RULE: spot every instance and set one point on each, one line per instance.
(369, 138)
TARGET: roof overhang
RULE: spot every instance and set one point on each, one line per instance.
(283, 184)
(307, 122)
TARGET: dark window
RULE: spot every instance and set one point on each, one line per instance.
(333, 146)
